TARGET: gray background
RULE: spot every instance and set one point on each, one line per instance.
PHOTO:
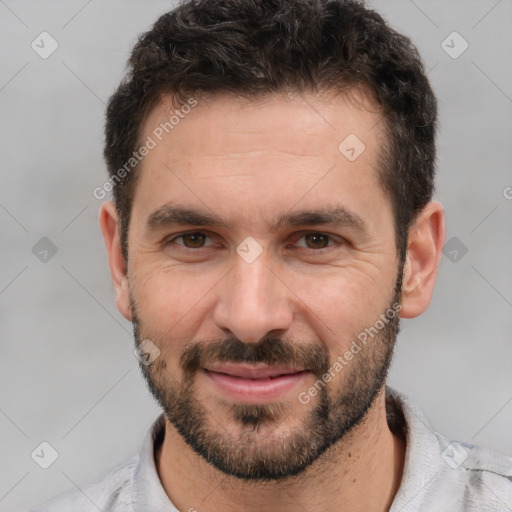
(68, 375)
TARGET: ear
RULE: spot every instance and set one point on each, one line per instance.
(424, 251)
(110, 228)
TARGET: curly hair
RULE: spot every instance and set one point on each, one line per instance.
(251, 48)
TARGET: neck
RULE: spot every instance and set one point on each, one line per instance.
(362, 471)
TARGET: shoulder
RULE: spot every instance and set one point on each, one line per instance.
(109, 491)
(483, 476)
(442, 474)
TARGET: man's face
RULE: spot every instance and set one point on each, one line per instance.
(259, 252)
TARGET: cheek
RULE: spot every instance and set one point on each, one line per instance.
(331, 303)
(339, 304)
(170, 299)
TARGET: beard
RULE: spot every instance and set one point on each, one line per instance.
(256, 442)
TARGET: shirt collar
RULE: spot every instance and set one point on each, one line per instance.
(423, 460)
(147, 491)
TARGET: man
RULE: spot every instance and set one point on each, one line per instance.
(273, 168)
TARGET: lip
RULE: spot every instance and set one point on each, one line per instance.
(254, 383)
(246, 371)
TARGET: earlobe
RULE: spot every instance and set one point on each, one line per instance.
(109, 224)
(424, 250)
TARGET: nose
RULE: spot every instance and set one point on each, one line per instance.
(254, 302)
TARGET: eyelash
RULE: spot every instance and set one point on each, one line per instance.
(334, 240)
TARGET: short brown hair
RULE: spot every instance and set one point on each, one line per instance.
(250, 48)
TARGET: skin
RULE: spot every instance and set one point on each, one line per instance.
(249, 162)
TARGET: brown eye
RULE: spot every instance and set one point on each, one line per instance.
(316, 240)
(193, 240)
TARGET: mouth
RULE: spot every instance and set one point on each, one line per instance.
(257, 383)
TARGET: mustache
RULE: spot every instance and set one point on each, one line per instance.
(270, 351)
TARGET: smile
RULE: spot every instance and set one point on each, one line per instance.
(253, 383)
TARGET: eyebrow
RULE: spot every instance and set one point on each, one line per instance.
(171, 215)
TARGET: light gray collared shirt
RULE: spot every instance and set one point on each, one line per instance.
(439, 475)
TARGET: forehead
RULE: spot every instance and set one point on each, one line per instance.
(231, 153)
(271, 121)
